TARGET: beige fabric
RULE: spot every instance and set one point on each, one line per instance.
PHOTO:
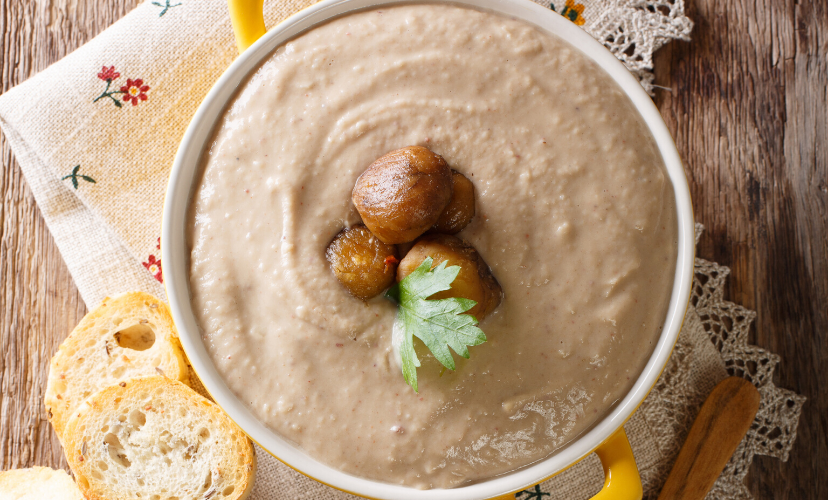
(108, 230)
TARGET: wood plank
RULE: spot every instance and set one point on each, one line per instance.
(39, 303)
(747, 108)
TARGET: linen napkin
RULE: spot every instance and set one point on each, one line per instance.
(97, 158)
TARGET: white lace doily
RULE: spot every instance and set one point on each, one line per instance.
(630, 29)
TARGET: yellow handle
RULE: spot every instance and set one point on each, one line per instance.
(622, 479)
(248, 21)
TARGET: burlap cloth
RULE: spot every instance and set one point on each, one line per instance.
(96, 133)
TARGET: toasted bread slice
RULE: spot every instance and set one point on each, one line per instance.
(128, 336)
(154, 438)
(38, 483)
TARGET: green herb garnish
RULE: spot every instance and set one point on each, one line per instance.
(438, 323)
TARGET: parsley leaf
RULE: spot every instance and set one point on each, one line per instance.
(440, 324)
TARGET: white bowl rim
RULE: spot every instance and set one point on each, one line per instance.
(175, 253)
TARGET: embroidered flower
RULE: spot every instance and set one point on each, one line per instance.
(574, 12)
(153, 265)
(535, 493)
(108, 74)
(165, 6)
(134, 90)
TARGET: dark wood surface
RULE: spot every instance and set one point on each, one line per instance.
(748, 108)
(39, 304)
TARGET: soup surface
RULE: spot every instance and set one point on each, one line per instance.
(575, 217)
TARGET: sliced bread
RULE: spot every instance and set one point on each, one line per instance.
(38, 483)
(156, 439)
(127, 336)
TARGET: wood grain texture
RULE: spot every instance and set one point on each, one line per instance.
(39, 303)
(747, 108)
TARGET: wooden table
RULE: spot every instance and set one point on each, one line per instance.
(748, 108)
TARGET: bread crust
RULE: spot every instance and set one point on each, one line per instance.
(126, 336)
(153, 434)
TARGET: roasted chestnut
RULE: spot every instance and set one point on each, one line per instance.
(460, 209)
(361, 262)
(402, 194)
(475, 280)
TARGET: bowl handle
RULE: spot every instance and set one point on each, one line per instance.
(622, 479)
(248, 21)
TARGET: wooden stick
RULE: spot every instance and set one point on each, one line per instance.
(723, 421)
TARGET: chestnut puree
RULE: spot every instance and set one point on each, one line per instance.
(575, 215)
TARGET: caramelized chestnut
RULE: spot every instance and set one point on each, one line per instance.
(460, 209)
(402, 194)
(475, 280)
(361, 262)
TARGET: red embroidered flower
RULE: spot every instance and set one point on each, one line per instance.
(154, 267)
(134, 90)
(108, 73)
(158, 246)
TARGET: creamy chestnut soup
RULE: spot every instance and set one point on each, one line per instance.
(575, 216)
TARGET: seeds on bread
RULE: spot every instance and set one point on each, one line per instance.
(127, 336)
(156, 438)
(38, 483)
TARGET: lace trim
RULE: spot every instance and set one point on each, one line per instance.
(632, 29)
